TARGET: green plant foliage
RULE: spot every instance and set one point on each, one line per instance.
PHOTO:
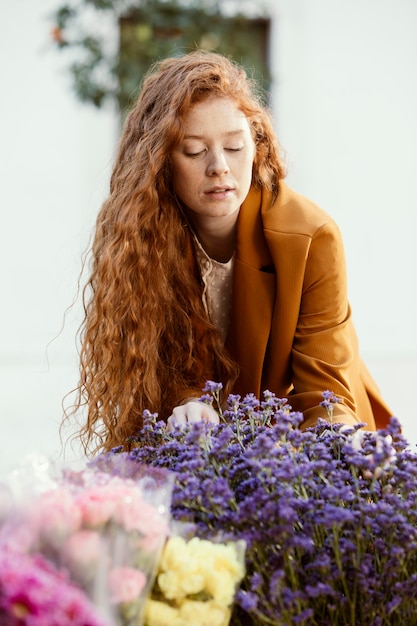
(150, 30)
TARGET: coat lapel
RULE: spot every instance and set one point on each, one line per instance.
(253, 297)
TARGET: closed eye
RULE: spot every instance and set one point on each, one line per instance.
(194, 154)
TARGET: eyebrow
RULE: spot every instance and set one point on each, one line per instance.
(230, 133)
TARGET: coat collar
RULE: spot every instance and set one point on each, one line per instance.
(251, 246)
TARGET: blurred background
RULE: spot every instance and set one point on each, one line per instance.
(342, 83)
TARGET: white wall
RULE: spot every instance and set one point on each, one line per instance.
(55, 160)
(344, 103)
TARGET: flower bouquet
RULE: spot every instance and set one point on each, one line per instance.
(33, 591)
(329, 515)
(196, 582)
(104, 529)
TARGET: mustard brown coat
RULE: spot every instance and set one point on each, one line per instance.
(291, 328)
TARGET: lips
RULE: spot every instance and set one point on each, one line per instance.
(218, 190)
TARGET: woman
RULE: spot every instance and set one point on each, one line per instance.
(207, 266)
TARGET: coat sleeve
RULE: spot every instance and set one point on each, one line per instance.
(325, 352)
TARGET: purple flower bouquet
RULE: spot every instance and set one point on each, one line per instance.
(329, 515)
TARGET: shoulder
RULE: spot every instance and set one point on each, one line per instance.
(293, 213)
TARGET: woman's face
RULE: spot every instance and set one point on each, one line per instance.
(212, 167)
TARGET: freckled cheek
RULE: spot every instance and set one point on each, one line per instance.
(182, 172)
(185, 186)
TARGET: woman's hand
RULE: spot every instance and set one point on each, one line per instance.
(190, 412)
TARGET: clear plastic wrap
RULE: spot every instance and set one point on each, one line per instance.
(103, 526)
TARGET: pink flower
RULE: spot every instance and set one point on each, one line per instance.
(81, 554)
(56, 515)
(134, 513)
(34, 592)
(17, 534)
(131, 509)
(97, 505)
(125, 584)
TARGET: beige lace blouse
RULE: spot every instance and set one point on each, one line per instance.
(217, 295)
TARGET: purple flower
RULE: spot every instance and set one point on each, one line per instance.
(212, 387)
(247, 600)
(329, 515)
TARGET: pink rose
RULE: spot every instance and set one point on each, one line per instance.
(125, 584)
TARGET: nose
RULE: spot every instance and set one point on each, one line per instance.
(218, 164)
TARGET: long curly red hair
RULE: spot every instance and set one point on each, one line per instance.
(146, 340)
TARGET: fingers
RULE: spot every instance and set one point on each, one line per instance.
(190, 413)
(200, 412)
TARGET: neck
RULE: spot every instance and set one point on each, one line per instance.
(218, 239)
(221, 249)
